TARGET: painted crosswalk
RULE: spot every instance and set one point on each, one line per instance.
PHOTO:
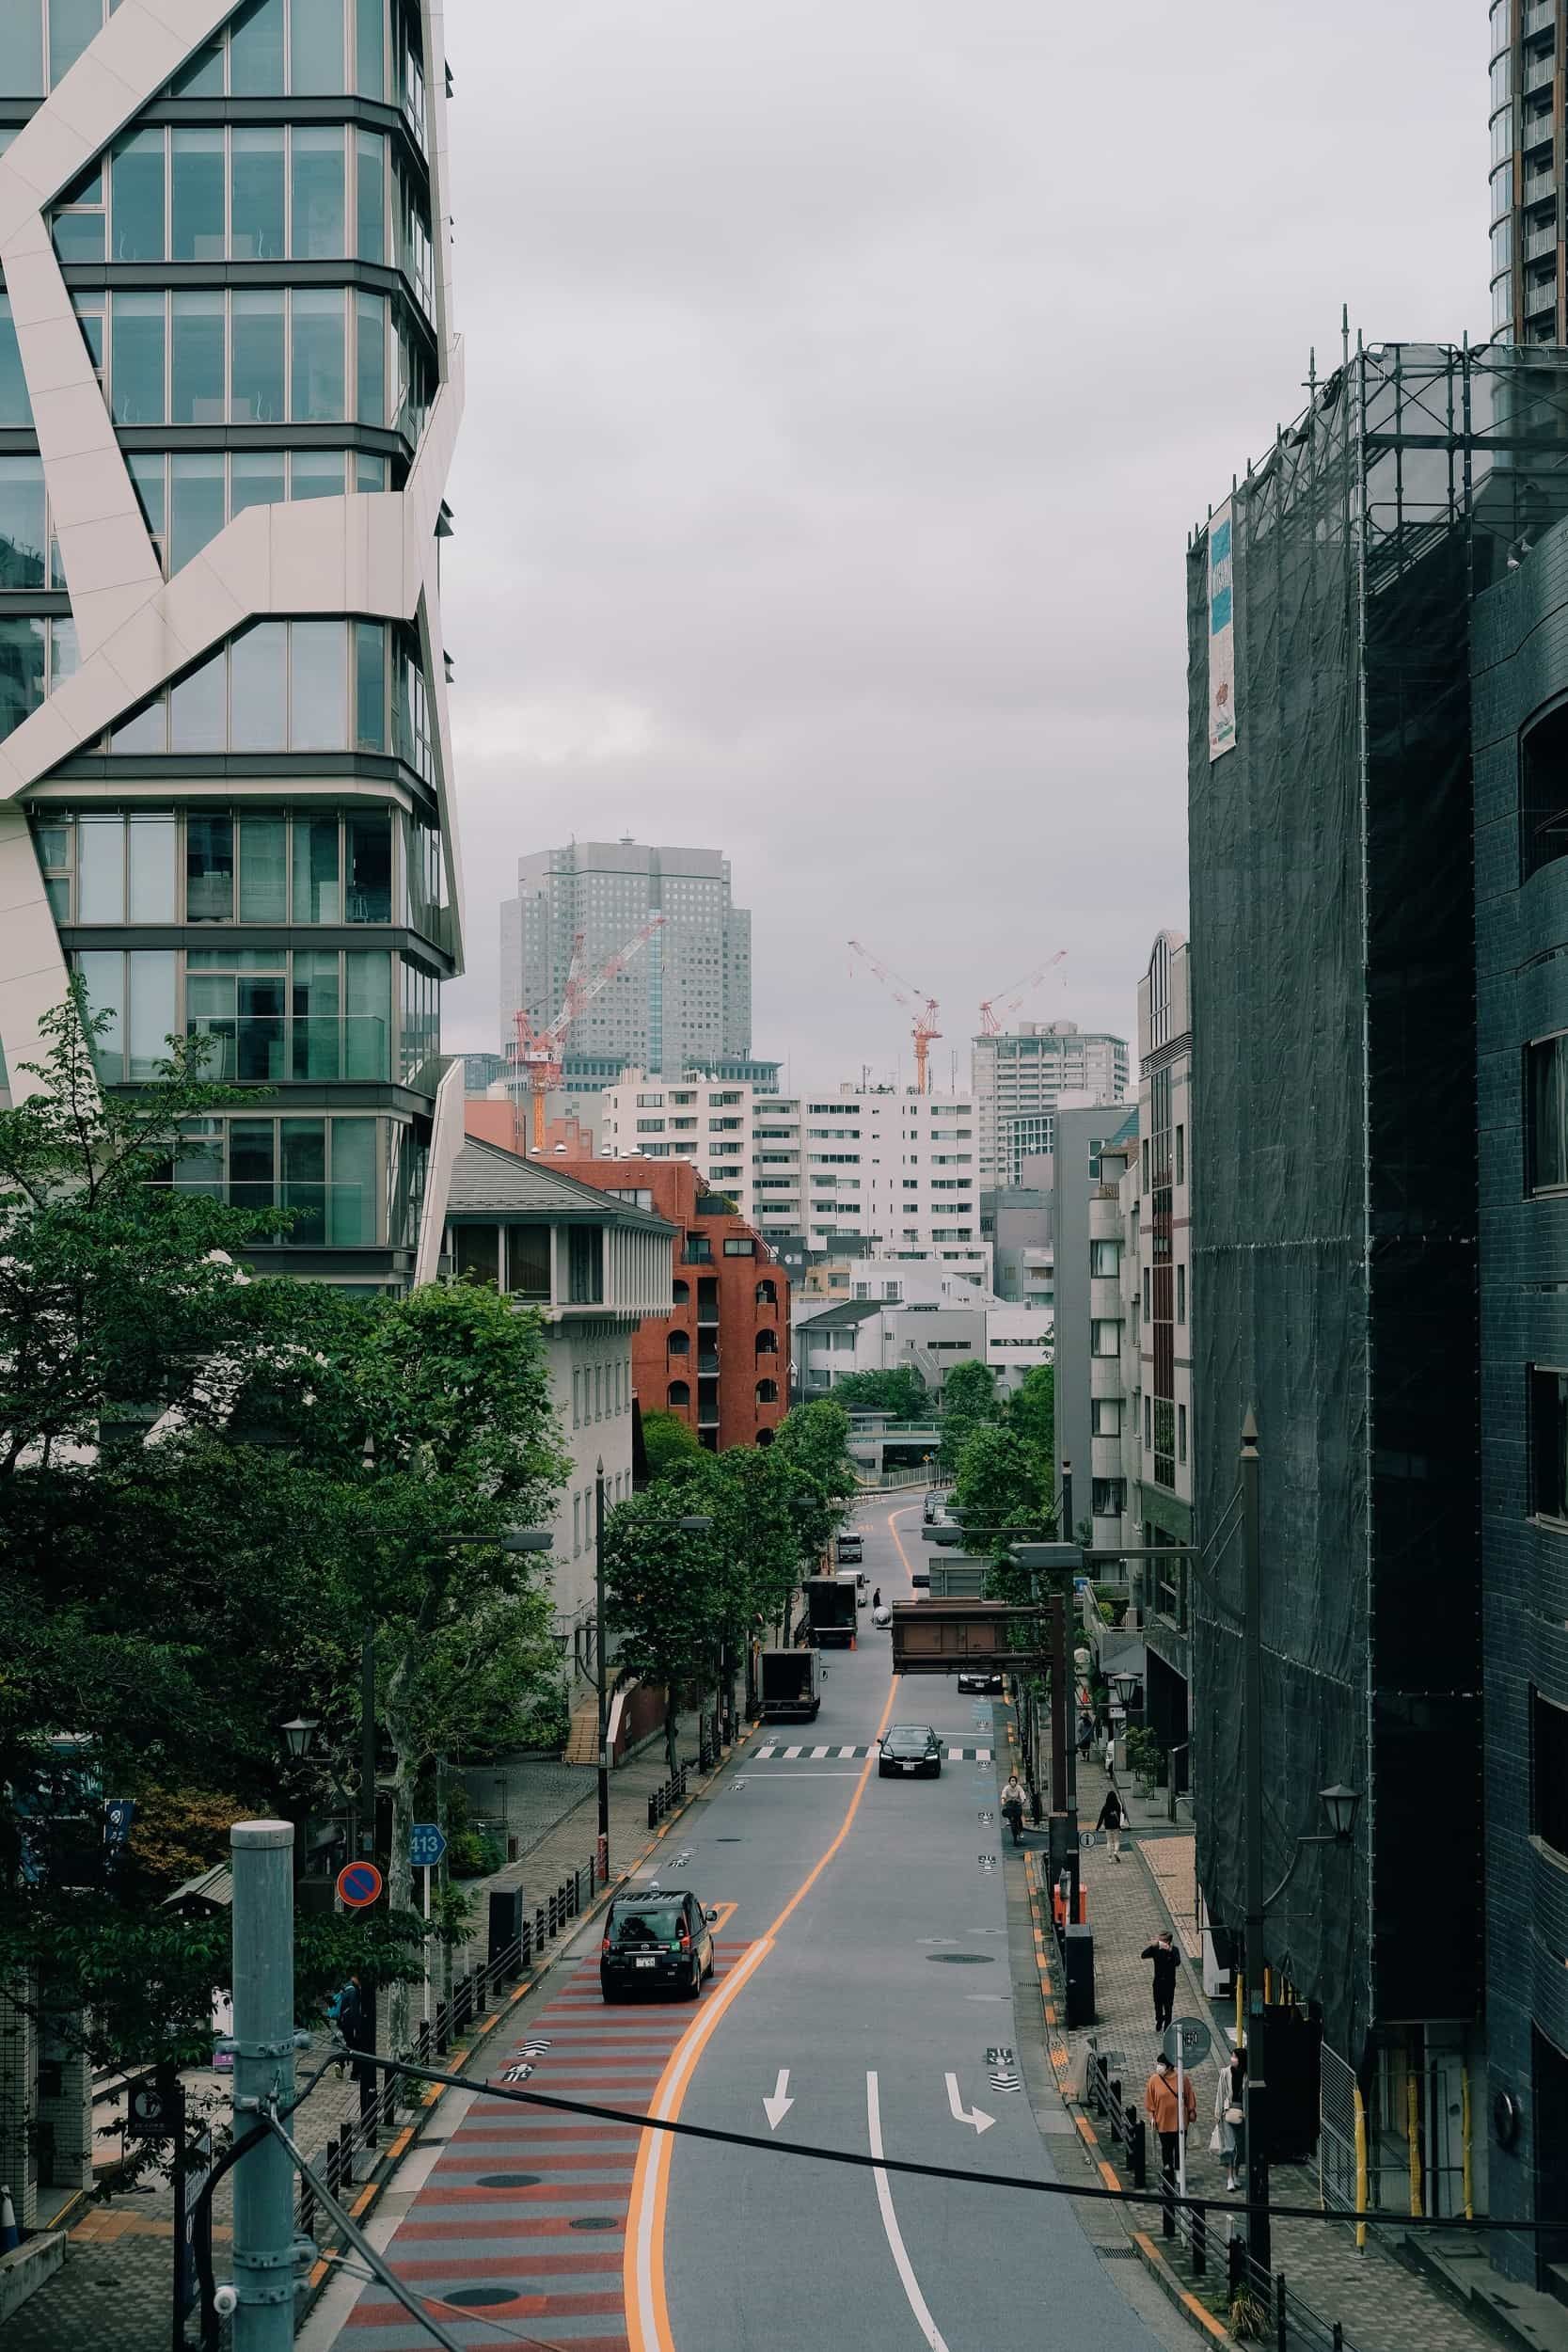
(804, 1754)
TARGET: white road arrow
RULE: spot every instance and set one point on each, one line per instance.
(977, 2116)
(779, 2106)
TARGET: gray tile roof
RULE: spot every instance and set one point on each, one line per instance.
(846, 1311)
(489, 1182)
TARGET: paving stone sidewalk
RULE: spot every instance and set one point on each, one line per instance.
(1381, 2305)
(115, 2286)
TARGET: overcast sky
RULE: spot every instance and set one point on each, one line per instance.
(844, 377)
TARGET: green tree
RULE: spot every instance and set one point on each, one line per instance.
(816, 1439)
(900, 1392)
(669, 1441)
(1032, 1412)
(667, 1595)
(968, 1401)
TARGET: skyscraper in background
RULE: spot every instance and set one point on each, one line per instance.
(1528, 46)
(1019, 1077)
(682, 1003)
(230, 386)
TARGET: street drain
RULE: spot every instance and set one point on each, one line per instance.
(507, 2180)
(480, 2295)
(729, 1841)
(595, 2221)
(966, 1960)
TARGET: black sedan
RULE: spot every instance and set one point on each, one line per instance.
(910, 1748)
(658, 1942)
(980, 1678)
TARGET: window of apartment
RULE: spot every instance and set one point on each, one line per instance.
(1106, 1415)
(584, 1266)
(1149, 1420)
(1546, 1113)
(1549, 1772)
(1544, 791)
(1181, 1433)
(650, 1126)
(1105, 1258)
(741, 1245)
(1549, 1442)
(1181, 1292)
(1146, 1163)
(1104, 1338)
(1181, 1156)
(1107, 1496)
(528, 1261)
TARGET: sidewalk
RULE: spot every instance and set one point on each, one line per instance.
(1380, 2305)
(116, 2287)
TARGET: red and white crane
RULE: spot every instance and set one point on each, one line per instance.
(536, 1054)
(926, 1012)
(994, 1009)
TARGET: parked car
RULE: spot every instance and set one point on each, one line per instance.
(980, 1678)
(910, 1748)
(660, 1941)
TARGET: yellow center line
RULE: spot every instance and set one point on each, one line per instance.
(643, 2269)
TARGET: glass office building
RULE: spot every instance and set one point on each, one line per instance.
(228, 398)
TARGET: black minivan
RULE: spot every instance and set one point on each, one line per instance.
(658, 1942)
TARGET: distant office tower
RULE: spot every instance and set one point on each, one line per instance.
(1022, 1074)
(682, 1003)
(1527, 47)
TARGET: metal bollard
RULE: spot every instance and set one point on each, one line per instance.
(576, 1892)
(1199, 2239)
(525, 1946)
(1281, 2323)
(540, 1933)
(1339, 2336)
(1235, 2266)
(1137, 2151)
(653, 1811)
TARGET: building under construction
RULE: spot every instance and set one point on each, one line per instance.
(1335, 1211)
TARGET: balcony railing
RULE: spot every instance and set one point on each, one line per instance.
(270, 1049)
(1539, 71)
(707, 1318)
(1540, 242)
(708, 1362)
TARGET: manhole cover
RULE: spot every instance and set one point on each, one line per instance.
(507, 2180)
(966, 1960)
(482, 2294)
(595, 2221)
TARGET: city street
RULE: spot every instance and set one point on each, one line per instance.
(863, 2000)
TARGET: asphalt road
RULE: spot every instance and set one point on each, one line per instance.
(864, 1977)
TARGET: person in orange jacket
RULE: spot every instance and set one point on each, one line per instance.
(1161, 2108)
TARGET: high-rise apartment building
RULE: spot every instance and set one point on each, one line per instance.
(1020, 1075)
(228, 391)
(1529, 43)
(845, 1169)
(683, 1001)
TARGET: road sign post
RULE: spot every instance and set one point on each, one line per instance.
(263, 1972)
(358, 1884)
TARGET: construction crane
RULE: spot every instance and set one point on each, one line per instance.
(994, 1009)
(536, 1054)
(914, 1000)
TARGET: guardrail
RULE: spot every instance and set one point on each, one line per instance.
(1283, 2318)
(669, 1794)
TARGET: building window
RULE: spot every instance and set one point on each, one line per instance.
(1107, 1496)
(1180, 1290)
(680, 1343)
(767, 1391)
(1147, 1309)
(1544, 791)
(1105, 1259)
(768, 1294)
(679, 1392)
(1181, 1433)
(476, 1253)
(585, 1265)
(1549, 1772)
(740, 1247)
(1104, 1338)
(1105, 1413)
(1546, 1113)
(680, 1293)
(1149, 1420)
(1181, 1156)
(1548, 1443)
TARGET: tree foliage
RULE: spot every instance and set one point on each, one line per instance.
(668, 1441)
(969, 1402)
(1032, 1412)
(900, 1392)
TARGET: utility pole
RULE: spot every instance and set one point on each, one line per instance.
(368, 2085)
(261, 1857)
(603, 1671)
(1252, 1800)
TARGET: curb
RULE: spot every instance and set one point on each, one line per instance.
(385, 2172)
(1060, 2057)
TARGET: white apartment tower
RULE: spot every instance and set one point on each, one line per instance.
(1019, 1076)
(684, 1002)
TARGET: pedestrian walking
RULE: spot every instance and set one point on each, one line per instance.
(1166, 1960)
(1109, 1755)
(1169, 2120)
(1112, 1820)
(1086, 1735)
(876, 1597)
(346, 2012)
(1228, 2138)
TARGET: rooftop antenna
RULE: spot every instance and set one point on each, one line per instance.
(1344, 332)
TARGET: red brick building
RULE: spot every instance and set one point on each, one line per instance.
(720, 1360)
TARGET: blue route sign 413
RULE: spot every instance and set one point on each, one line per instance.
(427, 1845)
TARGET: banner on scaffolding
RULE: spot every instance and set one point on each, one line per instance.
(1221, 635)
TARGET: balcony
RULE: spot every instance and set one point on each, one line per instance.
(707, 1364)
(1541, 242)
(707, 1316)
(1541, 297)
(271, 1049)
(707, 1407)
(1539, 71)
(1540, 16)
(1540, 187)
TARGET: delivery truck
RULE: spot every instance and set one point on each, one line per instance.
(791, 1683)
(830, 1613)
